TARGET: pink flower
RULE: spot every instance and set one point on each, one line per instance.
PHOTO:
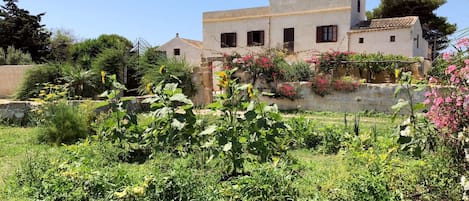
(438, 101)
(448, 100)
(433, 80)
(450, 69)
(427, 101)
(447, 56)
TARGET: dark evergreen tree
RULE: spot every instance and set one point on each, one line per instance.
(436, 29)
(22, 30)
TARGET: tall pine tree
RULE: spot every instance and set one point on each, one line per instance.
(23, 31)
(436, 29)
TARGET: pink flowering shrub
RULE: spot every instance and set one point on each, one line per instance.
(288, 91)
(449, 105)
(321, 84)
(263, 64)
(346, 84)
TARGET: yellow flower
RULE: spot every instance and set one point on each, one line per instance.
(223, 79)
(396, 73)
(138, 191)
(250, 92)
(103, 76)
(120, 194)
(162, 70)
(148, 88)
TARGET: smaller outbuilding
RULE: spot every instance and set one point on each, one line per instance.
(190, 50)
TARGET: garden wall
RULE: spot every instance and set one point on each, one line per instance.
(11, 77)
(368, 97)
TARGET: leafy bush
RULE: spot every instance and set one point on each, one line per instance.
(82, 172)
(170, 70)
(16, 57)
(288, 91)
(321, 84)
(346, 84)
(260, 131)
(173, 126)
(300, 71)
(265, 183)
(64, 123)
(179, 182)
(35, 78)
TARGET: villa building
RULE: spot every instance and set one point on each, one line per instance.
(190, 50)
(307, 26)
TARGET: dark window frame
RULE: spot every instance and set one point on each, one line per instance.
(326, 34)
(256, 38)
(392, 39)
(176, 51)
(361, 40)
(228, 40)
(289, 39)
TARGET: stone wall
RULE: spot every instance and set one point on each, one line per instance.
(368, 97)
(11, 78)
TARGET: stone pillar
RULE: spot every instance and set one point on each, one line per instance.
(202, 78)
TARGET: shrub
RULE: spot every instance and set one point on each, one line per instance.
(17, 57)
(170, 70)
(79, 172)
(265, 183)
(64, 123)
(35, 77)
(346, 84)
(288, 91)
(321, 84)
(300, 71)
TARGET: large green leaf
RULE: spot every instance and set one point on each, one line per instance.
(208, 131)
(177, 124)
(227, 146)
(180, 98)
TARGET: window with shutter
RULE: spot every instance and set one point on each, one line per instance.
(255, 38)
(228, 40)
(289, 39)
(326, 33)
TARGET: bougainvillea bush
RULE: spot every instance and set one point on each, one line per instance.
(449, 106)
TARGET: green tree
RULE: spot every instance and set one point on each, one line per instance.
(436, 29)
(86, 52)
(60, 46)
(23, 31)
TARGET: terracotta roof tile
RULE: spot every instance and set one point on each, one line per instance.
(385, 23)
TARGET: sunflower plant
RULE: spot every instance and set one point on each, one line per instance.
(247, 128)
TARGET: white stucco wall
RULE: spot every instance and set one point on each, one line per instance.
(189, 52)
(379, 41)
(422, 49)
(358, 16)
(305, 31)
(337, 12)
(212, 35)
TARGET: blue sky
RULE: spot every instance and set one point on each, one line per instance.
(157, 21)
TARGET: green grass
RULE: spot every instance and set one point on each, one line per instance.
(321, 172)
(15, 145)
